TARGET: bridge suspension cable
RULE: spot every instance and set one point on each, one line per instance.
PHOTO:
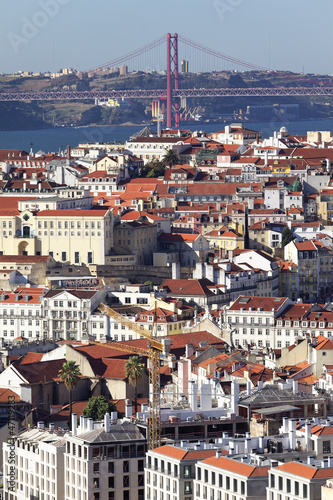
(219, 55)
(135, 53)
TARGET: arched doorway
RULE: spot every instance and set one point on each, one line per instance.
(23, 248)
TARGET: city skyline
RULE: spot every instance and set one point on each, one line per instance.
(47, 35)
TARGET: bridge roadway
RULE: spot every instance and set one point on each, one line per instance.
(155, 94)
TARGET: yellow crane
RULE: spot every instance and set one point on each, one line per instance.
(156, 349)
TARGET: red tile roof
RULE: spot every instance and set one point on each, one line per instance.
(183, 454)
(306, 471)
(237, 467)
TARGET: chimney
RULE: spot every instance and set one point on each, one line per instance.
(74, 424)
(69, 152)
(248, 388)
(307, 426)
(218, 453)
(189, 350)
(40, 425)
(128, 408)
(175, 271)
(295, 386)
(292, 434)
(90, 426)
(107, 422)
(206, 397)
(193, 395)
(234, 397)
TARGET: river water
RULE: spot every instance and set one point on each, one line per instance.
(57, 139)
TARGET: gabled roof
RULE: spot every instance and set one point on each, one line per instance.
(189, 287)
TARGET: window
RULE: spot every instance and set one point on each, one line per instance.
(305, 491)
(63, 255)
(326, 446)
(296, 488)
(77, 258)
(90, 258)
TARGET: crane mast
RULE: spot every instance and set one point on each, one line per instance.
(156, 348)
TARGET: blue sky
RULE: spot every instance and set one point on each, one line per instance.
(42, 35)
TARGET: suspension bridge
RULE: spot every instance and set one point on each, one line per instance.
(154, 53)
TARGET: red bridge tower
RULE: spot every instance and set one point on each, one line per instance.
(172, 77)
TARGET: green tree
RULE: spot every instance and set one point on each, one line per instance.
(153, 168)
(150, 283)
(170, 158)
(97, 407)
(134, 372)
(70, 375)
(287, 236)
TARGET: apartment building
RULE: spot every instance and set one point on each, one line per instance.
(297, 481)
(138, 238)
(96, 461)
(252, 320)
(170, 471)
(305, 255)
(104, 462)
(69, 314)
(21, 313)
(39, 465)
(223, 478)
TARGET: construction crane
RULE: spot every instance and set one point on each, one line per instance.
(157, 348)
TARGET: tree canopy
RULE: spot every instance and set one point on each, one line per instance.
(287, 236)
(134, 372)
(97, 407)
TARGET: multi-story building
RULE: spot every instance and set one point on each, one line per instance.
(252, 320)
(94, 462)
(170, 471)
(297, 481)
(105, 463)
(21, 314)
(38, 467)
(77, 236)
(68, 314)
(138, 238)
(306, 256)
(223, 478)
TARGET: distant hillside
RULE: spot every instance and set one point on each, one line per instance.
(15, 116)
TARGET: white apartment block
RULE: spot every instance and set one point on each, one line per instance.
(297, 481)
(252, 320)
(21, 314)
(104, 463)
(97, 461)
(170, 471)
(68, 314)
(221, 478)
(39, 465)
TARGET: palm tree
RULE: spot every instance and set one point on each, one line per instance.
(134, 372)
(70, 375)
(170, 158)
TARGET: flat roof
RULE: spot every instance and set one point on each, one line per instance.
(276, 409)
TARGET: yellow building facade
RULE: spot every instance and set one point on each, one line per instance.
(77, 236)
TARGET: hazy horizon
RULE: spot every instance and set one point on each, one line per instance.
(47, 35)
